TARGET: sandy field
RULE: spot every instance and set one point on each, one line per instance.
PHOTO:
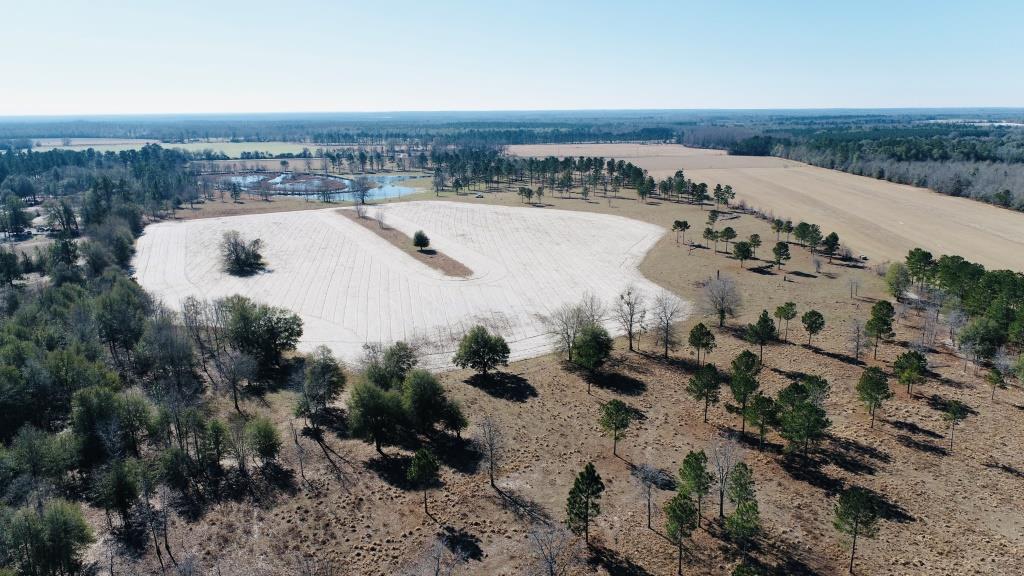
(877, 218)
(351, 286)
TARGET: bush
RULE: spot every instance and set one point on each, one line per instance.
(240, 257)
(264, 439)
(592, 347)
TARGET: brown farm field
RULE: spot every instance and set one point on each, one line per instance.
(947, 512)
(874, 217)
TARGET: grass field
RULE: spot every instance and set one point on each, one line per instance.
(877, 218)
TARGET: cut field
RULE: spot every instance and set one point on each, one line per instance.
(874, 217)
(351, 286)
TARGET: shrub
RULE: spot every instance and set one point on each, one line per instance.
(240, 257)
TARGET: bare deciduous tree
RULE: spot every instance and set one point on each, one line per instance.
(856, 337)
(631, 313)
(568, 320)
(667, 311)
(492, 444)
(556, 552)
(648, 478)
(725, 454)
(722, 298)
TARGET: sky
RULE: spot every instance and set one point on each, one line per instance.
(80, 57)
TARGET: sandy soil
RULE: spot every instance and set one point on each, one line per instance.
(950, 512)
(350, 286)
(877, 218)
(434, 258)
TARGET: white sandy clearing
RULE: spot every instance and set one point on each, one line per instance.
(351, 287)
(874, 217)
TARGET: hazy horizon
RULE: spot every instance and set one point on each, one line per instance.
(79, 58)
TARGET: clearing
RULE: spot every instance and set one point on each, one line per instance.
(875, 217)
(350, 286)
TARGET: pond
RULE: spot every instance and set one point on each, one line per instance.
(385, 186)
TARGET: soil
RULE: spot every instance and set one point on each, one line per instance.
(429, 256)
(958, 511)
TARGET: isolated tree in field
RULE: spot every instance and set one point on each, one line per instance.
(567, 322)
(481, 351)
(829, 245)
(681, 520)
(725, 455)
(556, 552)
(491, 442)
(761, 413)
(680, 227)
(615, 419)
(856, 514)
(375, 415)
(755, 243)
(722, 298)
(582, 505)
(666, 312)
(879, 325)
(995, 379)
(910, 368)
(423, 472)
(694, 478)
(785, 313)
(801, 414)
(761, 332)
(873, 390)
(781, 253)
(324, 380)
(631, 313)
(420, 240)
(813, 323)
(593, 347)
(701, 340)
(240, 257)
(954, 413)
(711, 236)
(727, 235)
(777, 226)
(649, 477)
(743, 383)
(742, 251)
(705, 386)
(745, 521)
(897, 280)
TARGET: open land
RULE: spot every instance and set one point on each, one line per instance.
(874, 217)
(351, 286)
(947, 511)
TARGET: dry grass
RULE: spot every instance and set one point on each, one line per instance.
(877, 218)
(950, 513)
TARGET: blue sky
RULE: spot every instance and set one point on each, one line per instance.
(110, 57)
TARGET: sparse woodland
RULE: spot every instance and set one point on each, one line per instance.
(135, 436)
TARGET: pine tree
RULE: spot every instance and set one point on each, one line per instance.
(582, 505)
(680, 521)
(705, 386)
(856, 514)
(873, 390)
(694, 477)
(762, 332)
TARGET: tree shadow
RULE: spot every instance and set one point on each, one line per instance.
(791, 374)
(503, 385)
(614, 563)
(845, 358)
(520, 506)
(459, 454)
(889, 510)
(391, 469)
(940, 404)
(1011, 470)
(911, 428)
(765, 270)
(661, 479)
(333, 419)
(921, 446)
(800, 274)
(854, 457)
(462, 543)
(618, 383)
(808, 470)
